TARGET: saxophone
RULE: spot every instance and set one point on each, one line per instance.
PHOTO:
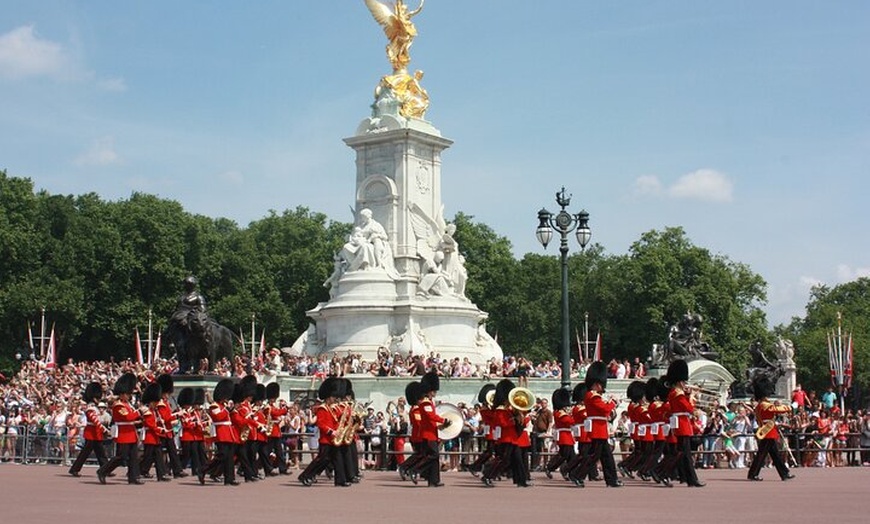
(764, 429)
(349, 423)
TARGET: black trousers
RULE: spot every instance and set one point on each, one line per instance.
(125, 454)
(430, 464)
(152, 454)
(193, 451)
(565, 455)
(329, 455)
(223, 462)
(685, 464)
(91, 446)
(276, 446)
(599, 451)
(767, 447)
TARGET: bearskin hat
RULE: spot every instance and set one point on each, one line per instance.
(430, 382)
(152, 393)
(579, 393)
(327, 388)
(678, 371)
(502, 392)
(763, 387)
(273, 390)
(596, 374)
(237, 393)
(561, 399)
(664, 389)
(223, 390)
(651, 390)
(260, 394)
(185, 397)
(413, 393)
(167, 385)
(484, 391)
(93, 392)
(345, 388)
(199, 397)
(126, 383)
(636, 391)
(248, 386)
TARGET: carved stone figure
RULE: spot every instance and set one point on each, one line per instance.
(785, 351)
(761, 366)
(441, 264)
(194, 335)
(368, 248)
(684, 342)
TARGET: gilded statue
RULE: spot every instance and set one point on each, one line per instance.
(413, 99)
(399, 29)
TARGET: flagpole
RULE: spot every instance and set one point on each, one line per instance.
(42, 335)
(586, 336)
(150, 336)
(253, 335)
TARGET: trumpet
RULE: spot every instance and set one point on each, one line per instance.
(705, 398)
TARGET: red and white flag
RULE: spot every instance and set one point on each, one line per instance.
(580, 351)
(30, 336)
(597, 356)
(139, 359)
(51, 352)
(155, 353)
(263, 343)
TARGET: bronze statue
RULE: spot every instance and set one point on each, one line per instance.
(194, 335)
(399, 29)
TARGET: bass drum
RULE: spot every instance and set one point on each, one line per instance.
(454, 415)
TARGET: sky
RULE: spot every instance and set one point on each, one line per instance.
(746, 123)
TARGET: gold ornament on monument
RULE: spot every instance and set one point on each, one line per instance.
(400, 31)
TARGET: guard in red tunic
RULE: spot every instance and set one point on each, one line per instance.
(154, 432)
(638, 420)
(484, 399)
(327, 414)
(125, 418)
(682, 408)
(242, 416)
(259, 433)
(598, 414)
(191, 436)
(167, 420)
(563, 420)
(509, 424)
(409, 467)
(94, 432)
(225, 435)
(275, 410)
(766, 413)
(571, 470)
(430, 422)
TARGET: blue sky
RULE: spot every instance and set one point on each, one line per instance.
(747, 123)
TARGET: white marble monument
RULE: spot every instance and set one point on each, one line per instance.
(399, 281)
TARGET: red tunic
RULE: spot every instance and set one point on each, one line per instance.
(767, 410)
(94, 429)
(240, 418)
(598, 411)
(125, 417)
(415, 419)
(681, 409)
(224, 431)
(276, 412)
(657, 417)
(153, 431)
(524, 439)
(166, 418)
(259, 429)
(191, 426)
(562, 422)
(327, 423)
(429, 420)
(580, 433)
(503, 419)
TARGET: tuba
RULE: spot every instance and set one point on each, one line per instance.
(521, 399)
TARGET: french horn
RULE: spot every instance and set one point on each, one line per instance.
(521, 399)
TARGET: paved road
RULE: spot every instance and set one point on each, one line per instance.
(45, 494)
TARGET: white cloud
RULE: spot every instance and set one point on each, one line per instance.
(846, 273)
(648, 185)
(704, 184)
(23, 54)
(101, 153)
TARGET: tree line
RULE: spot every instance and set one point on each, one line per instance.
(98, 267)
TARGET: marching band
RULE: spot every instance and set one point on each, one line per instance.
(243, 427)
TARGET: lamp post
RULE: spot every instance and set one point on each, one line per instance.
(564, 222)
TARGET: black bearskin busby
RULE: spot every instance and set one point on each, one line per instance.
(167, 385)
(596, 374)
(126, 383)
(430, 382)
(484, 391)
(413, 393)
(651, 390)
(578, 395)
(561, 399)
(223, 390)
(185, 397)
(763, 387)
(273, 390)
(502, 392)
(152, 393)
(678, 371)
(199, 397)
(636, 391)
(328, 388)
(248, 387)
(260, 394)
(93, 392)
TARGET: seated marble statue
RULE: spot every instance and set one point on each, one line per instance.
(368, 248)
(435, 281)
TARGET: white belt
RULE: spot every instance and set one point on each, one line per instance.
(596, 418)
(125, 423)
(564, 430)
(681, 414)
(222, 423)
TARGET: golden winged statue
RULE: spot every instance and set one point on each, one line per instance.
(399, 29)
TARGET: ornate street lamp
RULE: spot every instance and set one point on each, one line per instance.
(564, 222)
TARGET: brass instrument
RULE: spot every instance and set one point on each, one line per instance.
(764, 429)
(349, 422)
(490, 398)
(521, 399)
(705, 398)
